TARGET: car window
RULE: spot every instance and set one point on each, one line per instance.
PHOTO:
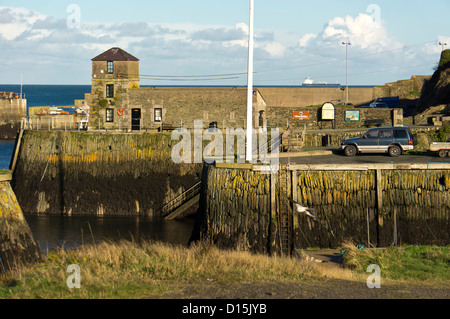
(386, 134)
(400, 134)
(372, 133)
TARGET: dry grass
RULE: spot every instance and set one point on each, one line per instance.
(130, 270)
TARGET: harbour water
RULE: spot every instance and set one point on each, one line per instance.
(6, 151)
(67, 232)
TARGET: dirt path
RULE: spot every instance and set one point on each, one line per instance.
(310, 289)
(332, 256)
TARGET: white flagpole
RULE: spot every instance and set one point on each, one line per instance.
(250, 87)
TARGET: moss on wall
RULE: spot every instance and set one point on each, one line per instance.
(344, 200)
(74, 173)
(236, 208)
(17, 245)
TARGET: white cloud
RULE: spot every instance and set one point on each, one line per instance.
(275, 49)
(15, 21)
(243, 27)
(363, 31)
(375, 53)
(304, 40)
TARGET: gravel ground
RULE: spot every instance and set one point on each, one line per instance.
(310, 289)
(321, 298)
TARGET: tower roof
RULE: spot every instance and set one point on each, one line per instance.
(115, 54)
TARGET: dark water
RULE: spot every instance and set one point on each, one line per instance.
(6, 152)
(70, 232)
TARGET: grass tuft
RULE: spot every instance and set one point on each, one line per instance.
(416, 263)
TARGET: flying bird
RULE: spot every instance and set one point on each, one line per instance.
(299, 208)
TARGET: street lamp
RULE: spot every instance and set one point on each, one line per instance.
(443, 44)
(346, 68)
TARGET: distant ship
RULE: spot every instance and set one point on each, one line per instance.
(310, 83)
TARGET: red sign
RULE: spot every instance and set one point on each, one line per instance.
(300, 115)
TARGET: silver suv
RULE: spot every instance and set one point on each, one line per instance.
(391, 140)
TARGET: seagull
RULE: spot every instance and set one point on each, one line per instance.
(299, 208)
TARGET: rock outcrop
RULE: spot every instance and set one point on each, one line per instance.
(436, 91)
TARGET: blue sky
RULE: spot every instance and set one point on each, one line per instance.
(52, 42)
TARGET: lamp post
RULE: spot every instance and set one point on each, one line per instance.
(442, 44)
(346, 69)
(249, 153)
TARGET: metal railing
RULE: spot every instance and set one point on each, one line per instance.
(53, 123)
(180, 200)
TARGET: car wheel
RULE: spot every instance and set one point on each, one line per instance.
(442, 153)
(350, 150)
(395, 151)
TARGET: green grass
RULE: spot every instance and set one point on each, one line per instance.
(130, 270)
(445, 58)
(427, 263)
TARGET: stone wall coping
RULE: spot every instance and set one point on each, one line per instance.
(248, 166)
(369, 166)
(338, 167)
(5, 177)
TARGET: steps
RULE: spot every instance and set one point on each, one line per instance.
(292, 142)
(181, 209)
(181, 203)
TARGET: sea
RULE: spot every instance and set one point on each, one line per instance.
(48, 95)
(68, 232)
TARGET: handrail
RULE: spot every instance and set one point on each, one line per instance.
(180, 199)
(270, 144)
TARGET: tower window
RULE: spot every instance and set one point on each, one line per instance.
(109, 90)
(158, 115)
(109, 115)
(110, 67)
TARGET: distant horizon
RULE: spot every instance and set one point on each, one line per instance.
(206, 85)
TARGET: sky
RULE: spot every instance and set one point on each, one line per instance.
(205, 42)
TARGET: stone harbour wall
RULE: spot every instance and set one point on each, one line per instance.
(12, 110)
(416, 202)
(243, 208)
(17, 245)
(281, 117)
(83, 173)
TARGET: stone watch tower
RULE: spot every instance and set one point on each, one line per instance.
(113, 71)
